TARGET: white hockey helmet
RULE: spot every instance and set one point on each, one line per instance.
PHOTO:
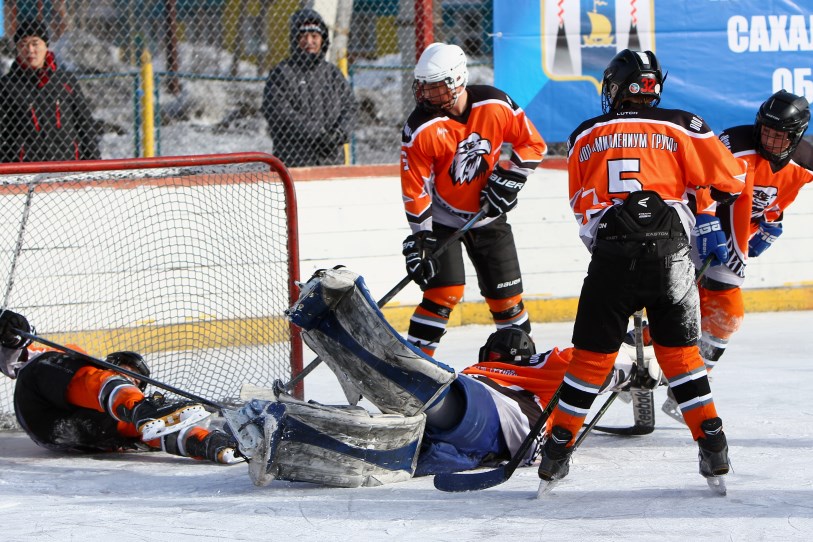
(440, 62)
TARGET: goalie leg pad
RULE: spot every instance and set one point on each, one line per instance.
(344, 326)
(329, 445)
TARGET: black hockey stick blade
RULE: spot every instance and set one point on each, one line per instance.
(473, 481)
(631, 431)
(484, 479)
(643, 408)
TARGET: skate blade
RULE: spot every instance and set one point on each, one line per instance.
(259, 470)
(717, 484)
(671, 409)
(172, 423)
(545, 487)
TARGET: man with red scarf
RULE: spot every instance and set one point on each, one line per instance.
(43, 114)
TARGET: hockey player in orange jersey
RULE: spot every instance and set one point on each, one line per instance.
(451, 146)
(66, 404)
(780, 164)
(633, 172)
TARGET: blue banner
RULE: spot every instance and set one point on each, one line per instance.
(723, 57)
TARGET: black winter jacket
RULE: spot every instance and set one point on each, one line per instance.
(308, 104)
(44, 116)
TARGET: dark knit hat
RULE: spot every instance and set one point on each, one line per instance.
(31, 27)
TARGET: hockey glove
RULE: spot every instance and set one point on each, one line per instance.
(501, 190)
(9, 321)
(420, 264)
(763, 238)
(710, 239)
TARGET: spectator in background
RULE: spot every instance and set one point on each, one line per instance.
(309, 105)
(43, 114)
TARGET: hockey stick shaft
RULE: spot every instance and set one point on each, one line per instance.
(704, 268)
(122, 370)
(601, 412)
(393, 292)
(471, 481)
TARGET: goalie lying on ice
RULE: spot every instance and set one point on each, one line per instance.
(433, 420)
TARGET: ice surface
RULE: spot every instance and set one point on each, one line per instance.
(637, 488)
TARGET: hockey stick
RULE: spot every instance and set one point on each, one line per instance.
(122, 370)
(392, 293)
(643, 401)
(472, 481)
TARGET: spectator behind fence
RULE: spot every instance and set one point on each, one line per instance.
(43, 113)
(309, 105)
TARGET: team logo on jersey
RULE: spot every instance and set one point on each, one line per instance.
(468, 163)
(764, 196)
(580, 37)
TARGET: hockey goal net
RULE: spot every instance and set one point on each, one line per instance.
(190, 261)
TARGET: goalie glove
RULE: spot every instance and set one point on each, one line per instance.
(9, 323)
(710, 239)
(763, 238)
(421, 266)
(501, 191)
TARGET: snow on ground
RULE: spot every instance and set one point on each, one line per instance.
(638, 488)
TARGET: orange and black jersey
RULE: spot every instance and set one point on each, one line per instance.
(446, 160)
(668, 151)
(766, 196)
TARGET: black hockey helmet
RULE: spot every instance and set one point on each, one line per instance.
(783, 112)
(631, 74)
(131, 359)
(509, 344)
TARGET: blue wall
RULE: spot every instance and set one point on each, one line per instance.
(723, 57)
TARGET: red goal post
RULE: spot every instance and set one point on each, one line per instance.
(189, 260)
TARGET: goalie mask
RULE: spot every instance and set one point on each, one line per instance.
(439, 73)
(629, 76)
(133, 360)
(510, 345)
(780, 124)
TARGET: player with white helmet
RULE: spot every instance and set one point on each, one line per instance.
(451, 145)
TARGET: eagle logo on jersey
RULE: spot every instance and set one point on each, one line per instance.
(764, 196)
(468, 163)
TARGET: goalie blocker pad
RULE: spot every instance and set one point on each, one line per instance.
(344, 326)
(334, 446)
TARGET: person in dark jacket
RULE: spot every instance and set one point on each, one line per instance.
(44, 116)
(307, 102)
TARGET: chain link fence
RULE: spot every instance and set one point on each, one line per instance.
(210, 61)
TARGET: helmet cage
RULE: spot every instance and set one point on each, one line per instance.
(428, 95)
(787, 114)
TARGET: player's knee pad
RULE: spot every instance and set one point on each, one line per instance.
(509, 312)
(335, 446)
(428, 323)
(344, 326)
